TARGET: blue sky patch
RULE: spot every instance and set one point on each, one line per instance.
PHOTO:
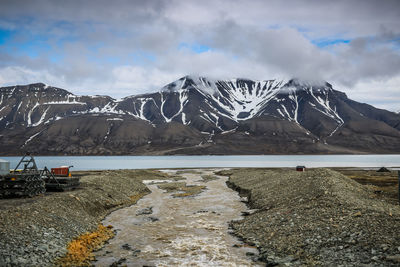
(5, 35)
(328, 42)
(197, 48)
(22, 44)
(33, 48)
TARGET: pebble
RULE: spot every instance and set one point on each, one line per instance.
(118, 263)
(126, 247)
(145, 211)
(152, 219)
(249, 212)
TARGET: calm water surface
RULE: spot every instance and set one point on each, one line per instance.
(158, 162)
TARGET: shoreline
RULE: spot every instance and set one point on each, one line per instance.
(196, 155)
(103, 163)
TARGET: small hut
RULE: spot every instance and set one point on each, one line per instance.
(301, 168)
(383, 169)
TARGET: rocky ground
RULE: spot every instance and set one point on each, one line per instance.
(35, 231)
(318, 217)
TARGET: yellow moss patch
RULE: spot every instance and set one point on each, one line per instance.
(80, 250)
(135, 198)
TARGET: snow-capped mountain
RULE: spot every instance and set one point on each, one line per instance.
(220, 106)
(36, 104)
(196, 115)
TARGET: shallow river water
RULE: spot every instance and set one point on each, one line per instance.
(162, 230)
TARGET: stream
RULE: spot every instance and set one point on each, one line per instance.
(166, 230)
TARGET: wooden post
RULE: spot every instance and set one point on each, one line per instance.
(398, 172)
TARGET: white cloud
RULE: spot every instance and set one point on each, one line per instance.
(383, 93)
(131, 47)
(137, 80)
(14, 75)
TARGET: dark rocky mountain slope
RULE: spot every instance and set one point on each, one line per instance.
(195, 115)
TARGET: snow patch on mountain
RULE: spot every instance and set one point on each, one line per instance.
(240, 98)
(223, 103)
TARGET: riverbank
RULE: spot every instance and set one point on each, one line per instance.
(36, 231)
(317, 217)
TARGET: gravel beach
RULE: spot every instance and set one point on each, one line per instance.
(318, 217)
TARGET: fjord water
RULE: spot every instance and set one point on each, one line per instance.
(157, 162)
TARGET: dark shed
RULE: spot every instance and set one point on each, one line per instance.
(301, 168)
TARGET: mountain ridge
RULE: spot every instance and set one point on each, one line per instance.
(196, 115)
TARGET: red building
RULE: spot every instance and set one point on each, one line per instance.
(301, 168)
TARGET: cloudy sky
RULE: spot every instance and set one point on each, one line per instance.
(122, 48)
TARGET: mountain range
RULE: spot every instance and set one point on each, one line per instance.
(195, 115)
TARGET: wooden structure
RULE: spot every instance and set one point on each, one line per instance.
(301, 168)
